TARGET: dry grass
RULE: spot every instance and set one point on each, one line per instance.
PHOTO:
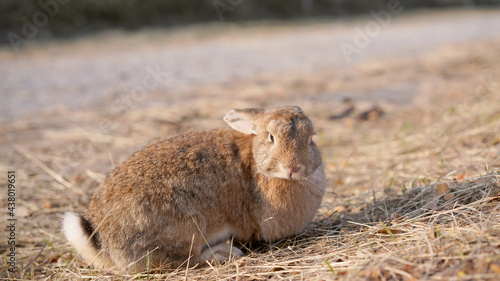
(413, 194)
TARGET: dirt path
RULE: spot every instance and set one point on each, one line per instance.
(86, 72)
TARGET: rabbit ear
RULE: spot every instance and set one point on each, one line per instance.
(244, 120)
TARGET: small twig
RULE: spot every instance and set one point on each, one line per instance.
(189, 258)
(399, 271)
(36, 257)
(46, 169)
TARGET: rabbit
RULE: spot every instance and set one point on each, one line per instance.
(178, 201)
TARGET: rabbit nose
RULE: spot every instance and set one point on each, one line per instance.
(293, 170)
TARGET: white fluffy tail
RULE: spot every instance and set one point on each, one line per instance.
(73, 228)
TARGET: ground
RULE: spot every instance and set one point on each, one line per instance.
(412, 162)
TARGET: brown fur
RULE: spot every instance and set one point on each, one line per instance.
(177, 194)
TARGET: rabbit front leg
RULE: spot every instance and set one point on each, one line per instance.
(216, 249)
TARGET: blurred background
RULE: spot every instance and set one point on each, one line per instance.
(65, 55)
(77, 18)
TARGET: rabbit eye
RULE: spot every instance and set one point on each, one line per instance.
(271, 138)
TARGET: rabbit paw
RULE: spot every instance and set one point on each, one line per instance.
(220, 253)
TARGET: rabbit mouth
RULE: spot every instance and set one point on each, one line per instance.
(284, 175)
(281, 171)
(291, 172)
(292, 177)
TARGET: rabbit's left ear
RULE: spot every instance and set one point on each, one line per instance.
(244, 120)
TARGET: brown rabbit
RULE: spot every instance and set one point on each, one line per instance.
(180, 199)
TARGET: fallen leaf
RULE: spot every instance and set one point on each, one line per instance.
(375, 273)
(341, 272)
(339, 209)
(407, 267)
(432, 233)
(495, 267)
(54, 259)
(392, 230)
(349, 123)
(442, 188)
(396, 216)
(461, 176)
(47, 204)
(240, 262)
(340, 181)
(448, 196)
(461, 274)
(371, 114)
